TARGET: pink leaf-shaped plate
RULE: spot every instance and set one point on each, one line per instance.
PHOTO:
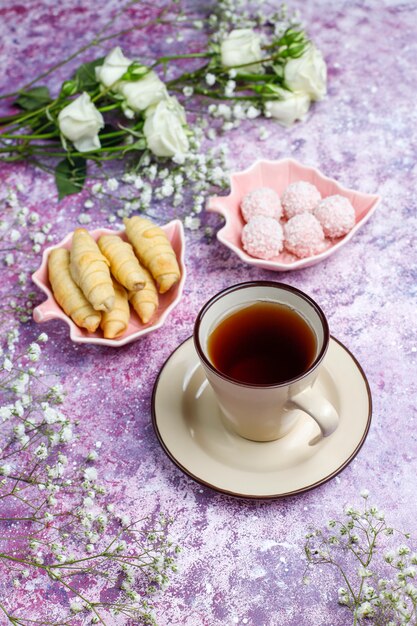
(50, 309)
(278, 175)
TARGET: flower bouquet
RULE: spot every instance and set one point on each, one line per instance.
(114, 107)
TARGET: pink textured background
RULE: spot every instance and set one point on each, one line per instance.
(242, 562)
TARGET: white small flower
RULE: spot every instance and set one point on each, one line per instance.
(90, 474)
(263, 133)
(6, 469)
(66, 434)
(5, 413)
(188, 91)
(210, 79)
(92, 456)
(9, 259)
(41, 452)
(403, 550)
(80, 122)
(192, 223)
(84, 218)
(102, 520)
(230, 88)
(364, 493)
(365, 610)
(252, 112)
(19, 430)
(14, 235)
(38, 237)
(76, 606)
(50, 415)
(18, 408)
(34, 352)
(7, 364)
(363, 572)
(112, 184)
(43, 338)
(125, 520)
(96, 189)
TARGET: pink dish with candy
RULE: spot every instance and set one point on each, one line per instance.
(315, 209)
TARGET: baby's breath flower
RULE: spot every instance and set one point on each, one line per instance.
(5, 469)
(7, 364)
(66, 434)
(9, 259)
(112, 184)
(76, 606)
(365, 610)
(90, 474)
(34, 352)
(41, 452)
(84, 218)
(125, 520)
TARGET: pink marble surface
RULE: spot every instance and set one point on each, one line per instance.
(242, 562)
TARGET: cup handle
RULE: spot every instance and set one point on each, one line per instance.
(320, 409)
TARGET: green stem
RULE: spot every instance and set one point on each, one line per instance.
(44, 136)
(191, 55)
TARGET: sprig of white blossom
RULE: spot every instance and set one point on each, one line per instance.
(379, 582)
(57, 523)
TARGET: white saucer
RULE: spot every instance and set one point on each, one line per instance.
(188, 424)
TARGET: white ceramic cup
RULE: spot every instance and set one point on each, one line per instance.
(266, 412)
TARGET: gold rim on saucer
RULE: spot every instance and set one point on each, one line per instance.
(188, 424)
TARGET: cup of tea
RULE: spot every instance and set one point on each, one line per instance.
(261, 345)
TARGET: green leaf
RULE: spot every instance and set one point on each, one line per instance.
(85, 76)
(33, 99)
(70, 176)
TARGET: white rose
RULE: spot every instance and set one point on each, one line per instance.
(80, 122)
(292, 107)
(242, 46)
(143, 93)
(164, 129)
(308, 73)
(114, 66)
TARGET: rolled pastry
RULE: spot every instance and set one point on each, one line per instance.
(68, 295)
(154, 251)
(114, 322)
(90, 270)
(124, 265)
(145, 302)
